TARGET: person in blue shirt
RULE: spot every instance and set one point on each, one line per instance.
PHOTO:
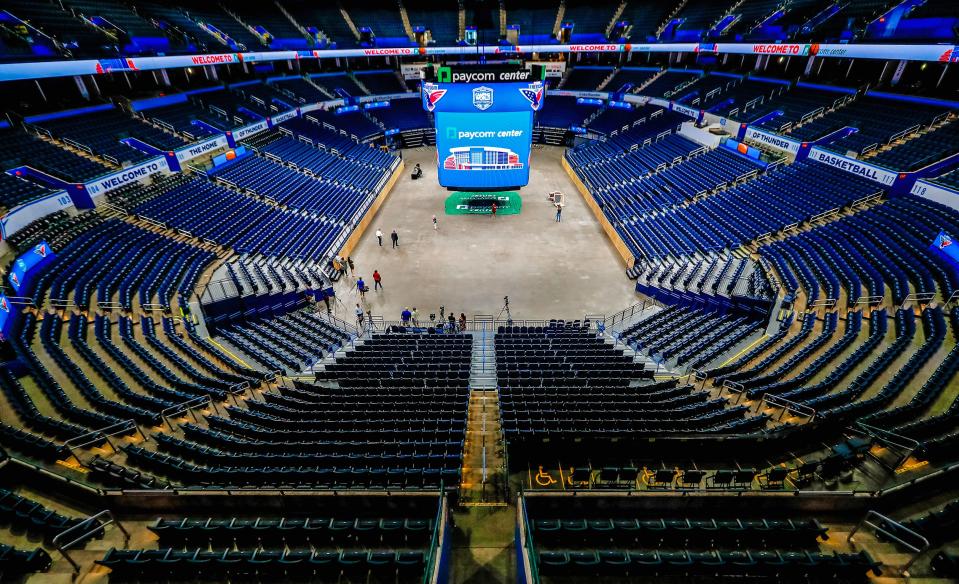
(406, 316)
(361, 286)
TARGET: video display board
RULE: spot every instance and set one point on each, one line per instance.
(483, 132)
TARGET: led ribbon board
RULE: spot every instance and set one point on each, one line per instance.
(41, 69)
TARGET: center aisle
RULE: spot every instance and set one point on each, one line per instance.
(484, 518)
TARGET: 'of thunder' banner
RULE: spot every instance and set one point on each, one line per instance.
(483, 132)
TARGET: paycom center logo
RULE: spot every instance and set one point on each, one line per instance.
(482, 98)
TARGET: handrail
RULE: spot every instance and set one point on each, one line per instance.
(22, 301)
(92, 437)
(871, 299)
(905, 443)
(238, 388)
(824, 215)
(698, 375)
(527, 552)
(115, 208)
(867, 199)
(186, 407)
(787, 406)
(827, 302)
(921, 543)
(733, 387)
(91, 526)
(48, 474)
(433, 564)
(920, 297)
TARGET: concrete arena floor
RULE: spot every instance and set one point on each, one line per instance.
(548, 269)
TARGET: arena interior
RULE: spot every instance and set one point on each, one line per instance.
(544, 291)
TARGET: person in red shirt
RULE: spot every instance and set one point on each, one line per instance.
(377, 280)
(493, 208)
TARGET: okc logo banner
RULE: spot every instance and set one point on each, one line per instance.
(433, 95)
(533, 94)
(482, 98)
(950, 55)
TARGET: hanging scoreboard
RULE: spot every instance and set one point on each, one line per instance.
(484, 125)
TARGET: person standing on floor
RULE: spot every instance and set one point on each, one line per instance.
(406, 315)
(396, 239)
(361, 286)
(493, 210)
(377, 283)
(336, 265)
(379, 236)
(462, 321)
(349, 262)
(359, 316)
(452, 319)
(559, 213)
(435, 226)
(413, 317)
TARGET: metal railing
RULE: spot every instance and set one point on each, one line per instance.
(615, 323)
(477, 323)
(867, 199)
(870, 300)
(734, 388)
(95, 436)
(823, 303)
(824, 215)
(918, 298)
(527, 550)
(188, 406)
(22, 301)
(339, 323)
(786, 405)
(238, 388)
(89, 527)
(698, 376)
(893, 531)
(434, 563)
(904, 444)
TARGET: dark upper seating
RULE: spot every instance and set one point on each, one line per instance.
(586, 78)
(439, 18)
(877, 122)
(100, 133)
(25, 148)
(926, 149)
(380, 82)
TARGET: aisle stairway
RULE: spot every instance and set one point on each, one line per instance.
(483, 371)
(484, 469)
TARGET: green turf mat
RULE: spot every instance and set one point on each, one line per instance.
(463, 203)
